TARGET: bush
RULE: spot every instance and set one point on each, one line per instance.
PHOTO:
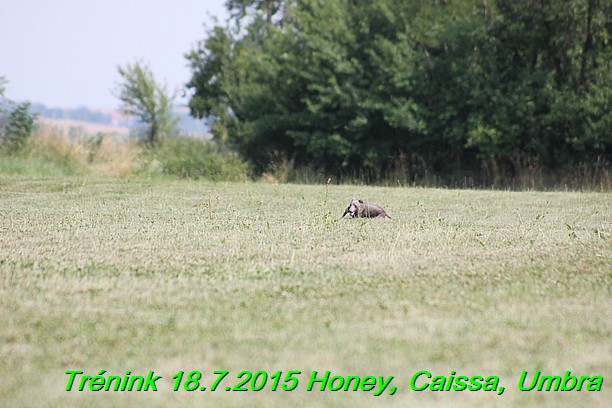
(191, 158)
(17, 128)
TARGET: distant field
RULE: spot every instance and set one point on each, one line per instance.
(116, 275)
(85, 127)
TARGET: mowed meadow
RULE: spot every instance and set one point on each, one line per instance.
(165, 275)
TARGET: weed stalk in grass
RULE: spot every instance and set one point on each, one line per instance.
(327, 216)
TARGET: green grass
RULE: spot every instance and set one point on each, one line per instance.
(37, 166)
(103, 274)
(194, 159)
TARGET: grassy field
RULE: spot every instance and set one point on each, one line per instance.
(116, 275)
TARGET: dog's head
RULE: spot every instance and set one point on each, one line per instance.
(353, 208)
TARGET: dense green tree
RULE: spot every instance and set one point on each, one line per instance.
(209, 62)
(355, 85)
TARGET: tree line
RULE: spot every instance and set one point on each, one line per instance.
(480, 88)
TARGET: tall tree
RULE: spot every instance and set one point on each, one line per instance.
(143, 97)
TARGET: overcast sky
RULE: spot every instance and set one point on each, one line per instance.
(65, 53)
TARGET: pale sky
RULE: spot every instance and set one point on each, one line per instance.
(65, 53)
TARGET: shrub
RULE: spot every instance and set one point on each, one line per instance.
(191, 158)
(17, 127)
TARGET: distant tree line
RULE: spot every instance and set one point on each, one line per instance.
(479, 88)
(81, 113)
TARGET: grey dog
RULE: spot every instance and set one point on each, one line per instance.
(361, 209)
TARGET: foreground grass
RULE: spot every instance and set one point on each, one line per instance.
(121, 275)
